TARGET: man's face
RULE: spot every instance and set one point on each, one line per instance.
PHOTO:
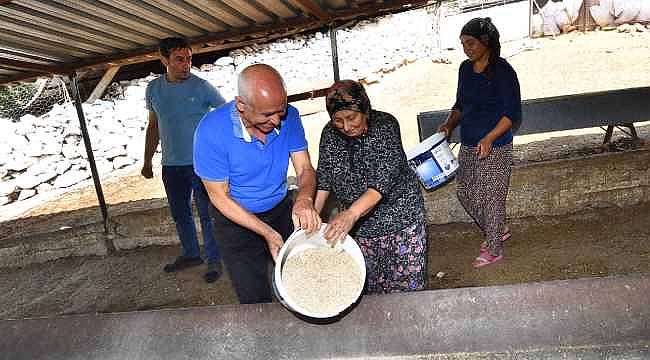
(264, 112)
(178, 64)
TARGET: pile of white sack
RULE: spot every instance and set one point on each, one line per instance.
(562, 16)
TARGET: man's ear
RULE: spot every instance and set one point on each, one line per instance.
(239, 104)
(164, 60)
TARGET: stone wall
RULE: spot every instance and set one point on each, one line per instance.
(365, 52)
(40, 154)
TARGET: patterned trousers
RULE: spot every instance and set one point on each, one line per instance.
(396, 262)
(482, 188)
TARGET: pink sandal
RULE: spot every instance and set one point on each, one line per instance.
(485, 259)
(505, 237)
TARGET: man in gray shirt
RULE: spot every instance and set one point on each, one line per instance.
(177, 102)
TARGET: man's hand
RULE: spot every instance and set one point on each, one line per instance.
(274, 242)
(147, 171)
(305, 216)
(340, 226)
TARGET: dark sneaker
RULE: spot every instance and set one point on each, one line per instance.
(214, 272)
(182, 263)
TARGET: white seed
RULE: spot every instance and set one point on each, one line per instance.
(322, 280)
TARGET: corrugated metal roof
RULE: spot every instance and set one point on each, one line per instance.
(60, 36)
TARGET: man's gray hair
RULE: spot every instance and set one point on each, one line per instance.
(244, 86)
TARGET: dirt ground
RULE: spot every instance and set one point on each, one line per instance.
(596, 242)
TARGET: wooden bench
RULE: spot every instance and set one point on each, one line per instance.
(610, 109)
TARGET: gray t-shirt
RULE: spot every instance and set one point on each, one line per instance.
(179, 108)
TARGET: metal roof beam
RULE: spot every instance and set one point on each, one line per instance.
(22, 27)
(58, 24)
(278, 8)
(312, 7)
(9, 53)
(222, 11)
(54, 48)
(190, 13)
(118, 16)
(24, 65)
(147, 44)
(78, 17)
(251, 11)
(238, 38)
(157, 16)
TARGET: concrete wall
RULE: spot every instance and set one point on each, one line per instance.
(599, 318)
(560, 187)
(544, 188)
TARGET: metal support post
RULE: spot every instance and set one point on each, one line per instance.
(89, 150)
(335, 54)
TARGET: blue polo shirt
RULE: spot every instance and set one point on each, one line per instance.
(179, 107)
(255, 171)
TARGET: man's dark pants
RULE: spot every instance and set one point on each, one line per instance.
(180, 184)
(246, 254)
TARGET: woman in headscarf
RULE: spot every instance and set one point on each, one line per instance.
(488, 108)
(362, 163)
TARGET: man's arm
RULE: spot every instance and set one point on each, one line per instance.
(304, 214)
(218, 191)
(152, 138)
(214, 96)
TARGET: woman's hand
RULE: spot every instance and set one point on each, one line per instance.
(445, 128)
(484, 148)
(340, 226)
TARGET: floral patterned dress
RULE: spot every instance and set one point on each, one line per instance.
(392, 235)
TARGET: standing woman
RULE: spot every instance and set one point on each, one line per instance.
(488, 107)
(362, 162)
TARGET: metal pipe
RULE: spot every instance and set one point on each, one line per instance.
(89, 149)
(530, 18)
(335, 53)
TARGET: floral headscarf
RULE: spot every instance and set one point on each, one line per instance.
(347, 95)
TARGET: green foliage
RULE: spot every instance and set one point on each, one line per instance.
(14, 98)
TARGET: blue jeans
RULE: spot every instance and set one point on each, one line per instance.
(180, 182)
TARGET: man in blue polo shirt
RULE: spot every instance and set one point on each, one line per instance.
(242, 152)
(176, 102)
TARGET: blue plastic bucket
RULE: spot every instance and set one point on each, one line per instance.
(433, 161)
